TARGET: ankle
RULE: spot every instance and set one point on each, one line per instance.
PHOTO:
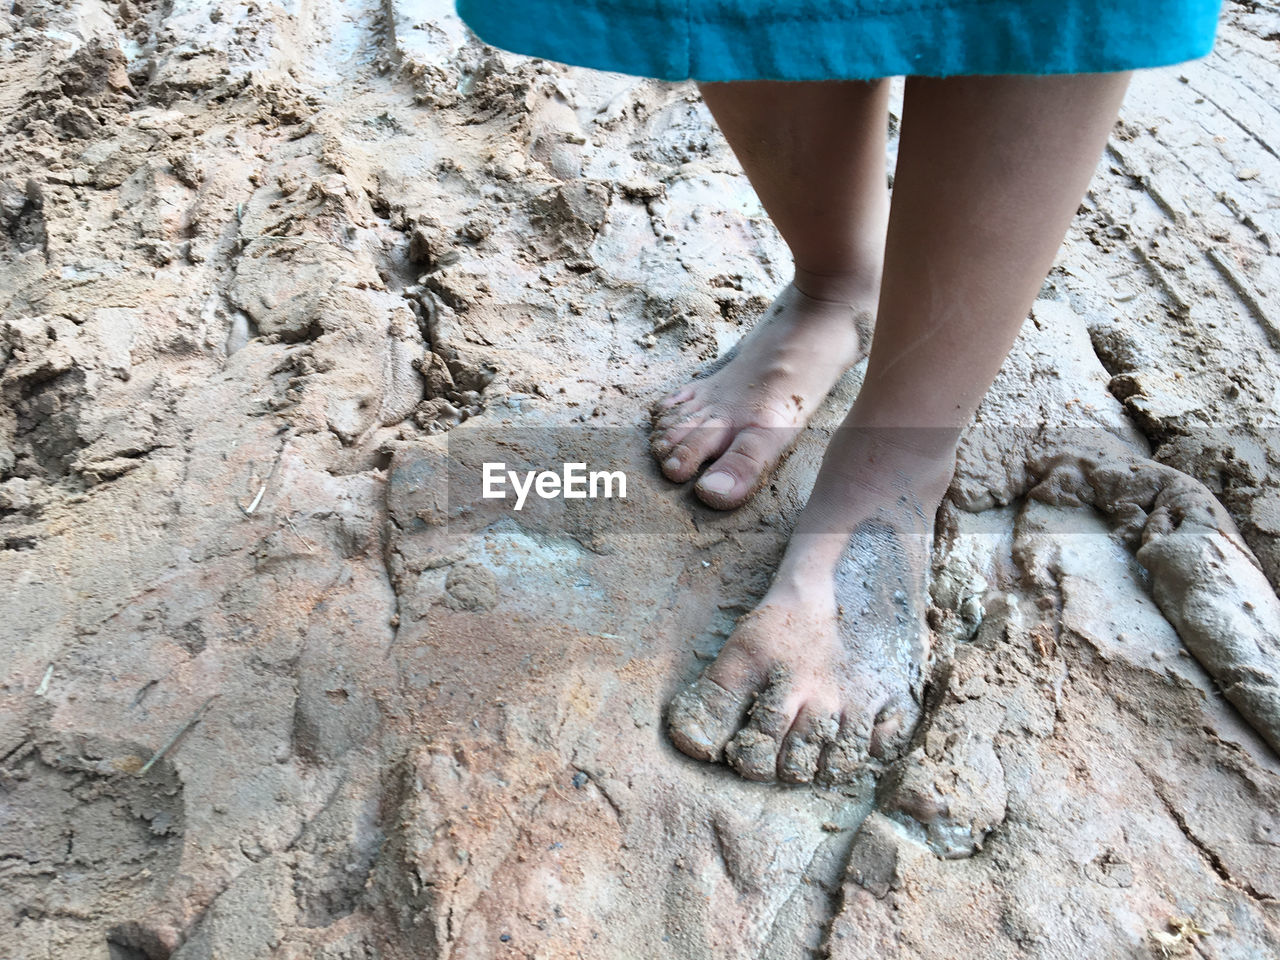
(854, 286)
(879, 460)
(912, 447)
(872, 476)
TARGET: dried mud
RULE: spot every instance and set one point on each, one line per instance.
(266, 267)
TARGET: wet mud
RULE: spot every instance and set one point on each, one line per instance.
(269, 691)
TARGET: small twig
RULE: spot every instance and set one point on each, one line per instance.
(257, 499)
(300, 537)
(180, 731)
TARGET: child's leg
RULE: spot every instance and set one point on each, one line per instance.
(990, 172)
(815, 153)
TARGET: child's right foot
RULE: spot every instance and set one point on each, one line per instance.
(746, 411)
(827, 673)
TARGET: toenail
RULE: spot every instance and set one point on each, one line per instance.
(719, 483)
(671, 463)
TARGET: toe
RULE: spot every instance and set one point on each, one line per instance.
(666, 434)
(894, 724)
(664, 420)
(754, 751)
(709, 439)
(704, 715)
(682, 395)
(812, 732)
(746, 462)
(845, 760)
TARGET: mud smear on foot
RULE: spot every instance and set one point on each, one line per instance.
(881, 586)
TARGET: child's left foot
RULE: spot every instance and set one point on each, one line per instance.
(743, 414)
(828, 670)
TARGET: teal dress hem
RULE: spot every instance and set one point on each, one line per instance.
(727, 40)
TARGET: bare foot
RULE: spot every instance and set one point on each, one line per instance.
(828, 671)
(746, 410)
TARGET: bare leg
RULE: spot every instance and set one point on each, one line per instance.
(829, 667)
(815, 153)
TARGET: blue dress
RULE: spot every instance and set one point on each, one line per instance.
(847, 39)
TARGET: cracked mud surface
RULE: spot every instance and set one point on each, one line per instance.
(274, 277)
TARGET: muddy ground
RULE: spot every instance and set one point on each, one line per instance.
(275, 684)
